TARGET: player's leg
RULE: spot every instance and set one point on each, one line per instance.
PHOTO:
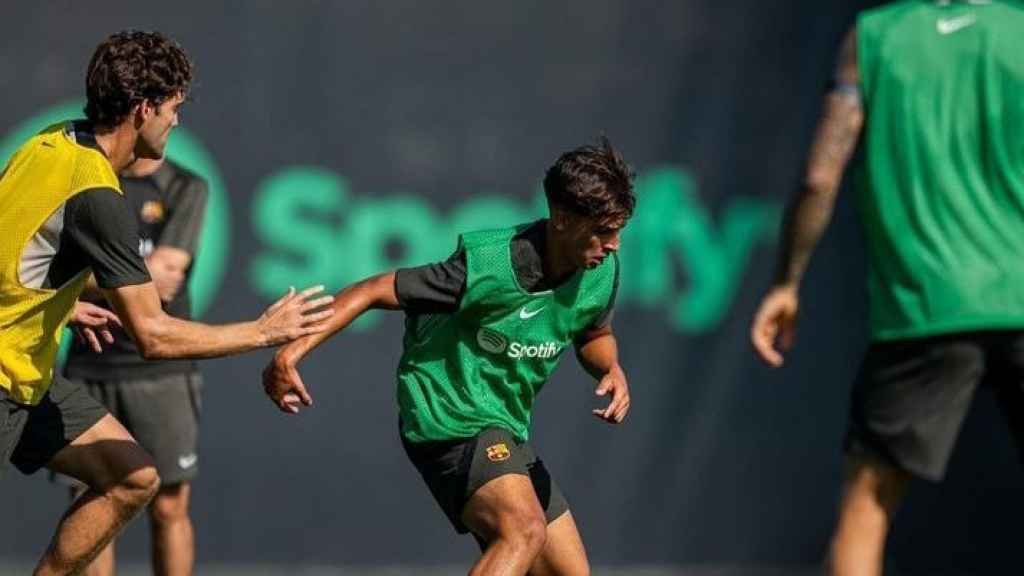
(563, 553)
(105, 563)
(1008, 378)
(172, 537)
(872, 490)
(164, 415)
(506, 515)
(483, 484)
(119, 474)
(906, 410)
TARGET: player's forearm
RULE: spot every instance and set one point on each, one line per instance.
(806, 219)
(377, 292)
(809, 213)
(160, 336)
(166, 337)
(599, 355)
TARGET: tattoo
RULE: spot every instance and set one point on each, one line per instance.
(848, 91)
(834, 143)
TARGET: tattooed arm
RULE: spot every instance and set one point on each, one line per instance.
(834, 142)
(809, 212)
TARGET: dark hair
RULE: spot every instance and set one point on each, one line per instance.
(130, 67)
(592, 181)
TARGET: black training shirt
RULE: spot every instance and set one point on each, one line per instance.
(93, 229)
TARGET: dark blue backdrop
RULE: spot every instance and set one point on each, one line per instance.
(352, 137)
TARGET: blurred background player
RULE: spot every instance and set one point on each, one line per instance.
(484, 331)
(63, 216)
(937, 88)
(157, 401)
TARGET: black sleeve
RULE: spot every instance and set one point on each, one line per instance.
(433, 288)
(605, 318)
(100, 224)
(187, 203)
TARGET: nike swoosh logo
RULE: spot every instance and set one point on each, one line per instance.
(950, 25)
(187, 461)
(524, 315)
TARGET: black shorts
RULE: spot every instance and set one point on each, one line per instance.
(911, 396)
(162, 413)
(454, 470)
(30, 436)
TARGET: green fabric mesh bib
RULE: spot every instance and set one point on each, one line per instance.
(484, 364)
(942, 189)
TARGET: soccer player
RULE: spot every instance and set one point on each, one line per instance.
(484, 330)
(63, 216)
(157, 401)
(936, 88)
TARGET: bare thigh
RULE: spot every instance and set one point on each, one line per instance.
(502, 506)
(563, 554)
(102, 456)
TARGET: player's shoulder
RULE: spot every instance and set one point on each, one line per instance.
(95, 207)
(173, 177)
(62, 136)
(53, 131)
(176, 170)
(52, 139)
(893, 12)
(488, 237)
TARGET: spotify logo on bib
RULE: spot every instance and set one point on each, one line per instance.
(491, 341)
(496, 343)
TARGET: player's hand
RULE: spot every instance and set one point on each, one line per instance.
(775, 323)
(614, 384)
(167, 279)
(283, 384)
(91, 323)
(295, 315)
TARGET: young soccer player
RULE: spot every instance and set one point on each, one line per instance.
(484, 330)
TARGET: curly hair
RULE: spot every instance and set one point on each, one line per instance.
(593, 181)
(131, 67)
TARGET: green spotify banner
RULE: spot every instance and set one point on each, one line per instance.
(343, 139)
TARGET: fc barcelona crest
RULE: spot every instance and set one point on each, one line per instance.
(498, 452)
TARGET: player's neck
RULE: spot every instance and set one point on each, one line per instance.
(558, 264)
(118, 144)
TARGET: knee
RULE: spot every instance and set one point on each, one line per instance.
(137, 488)
(527, 532)
(170, 505)
(873, 488)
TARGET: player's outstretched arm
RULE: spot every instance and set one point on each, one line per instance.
(810, 211)
(159, 335)
(281, 379)
(598, 353)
